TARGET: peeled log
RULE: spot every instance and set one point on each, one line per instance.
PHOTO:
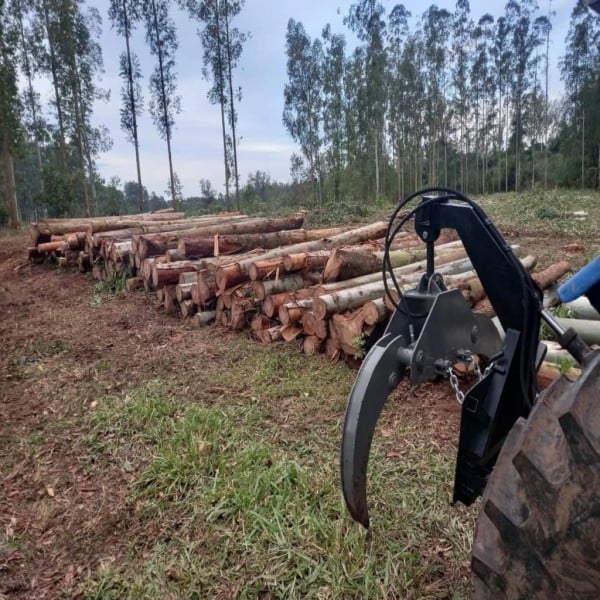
(346, 264)
(232, 274)
(48, 247)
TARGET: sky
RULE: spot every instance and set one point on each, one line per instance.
(264, 143)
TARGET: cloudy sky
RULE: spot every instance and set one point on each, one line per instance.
(264, 144)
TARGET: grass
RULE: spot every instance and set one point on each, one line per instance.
(246, 491)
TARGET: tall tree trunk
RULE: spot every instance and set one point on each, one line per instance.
(57, 98)
(222, 101)
(232, 109)
(133, 109)
(10, 191)
(31, 98)
(164, 103)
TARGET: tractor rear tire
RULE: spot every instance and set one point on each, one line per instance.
(538, 532)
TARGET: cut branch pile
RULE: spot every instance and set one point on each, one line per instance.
(282, 283)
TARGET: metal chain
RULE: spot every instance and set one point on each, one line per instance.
(453, 379)
(460, 396)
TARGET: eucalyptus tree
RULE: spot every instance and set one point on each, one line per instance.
(80, 57)
(524, 40)
(436, 25)
(333, 104)
(161, 38)
(366, 19)
(234, 43)
(397, 38)
(46, 14)
(483, 96)
(29, 50)
(462, 27)
(10, 109)
(303, 99)
(502, 60)
(580, 69)
(123, 15)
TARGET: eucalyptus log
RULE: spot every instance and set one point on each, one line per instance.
(271, 304)
(237, 272)
(292, 312)
(313, 326)
(348, 263)
(313, 345)
(270, 335)
(231, 244)
(287, 283)
(168, 273)
(302, 261)
(188, 308)
(134, 283)
(183, 291)
(159, 243)
(203, 318)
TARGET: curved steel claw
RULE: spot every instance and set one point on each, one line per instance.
(379, 374)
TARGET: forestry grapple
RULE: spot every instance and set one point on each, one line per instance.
(534, 457)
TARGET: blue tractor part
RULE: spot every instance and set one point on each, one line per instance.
(584, 283)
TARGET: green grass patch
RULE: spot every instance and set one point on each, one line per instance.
(550, 213)
(247, 494)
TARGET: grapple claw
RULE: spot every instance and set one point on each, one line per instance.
(379, 374)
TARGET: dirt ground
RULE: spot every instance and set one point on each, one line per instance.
(54, 343)
(60, 348)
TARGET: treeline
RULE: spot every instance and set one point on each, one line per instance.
(437, 98)
(443, 98)
(49, 151)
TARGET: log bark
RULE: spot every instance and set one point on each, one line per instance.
(347, 264)
(159, 243)
(231, 244)
(262, 289)
(543, 279)
(308, 261)
(168, 273)
(261, 269)
(270, 335)
(183, 291)
(292, 311)
(271, 304)
(238, 272)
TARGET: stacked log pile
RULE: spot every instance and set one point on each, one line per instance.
(280, 282)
